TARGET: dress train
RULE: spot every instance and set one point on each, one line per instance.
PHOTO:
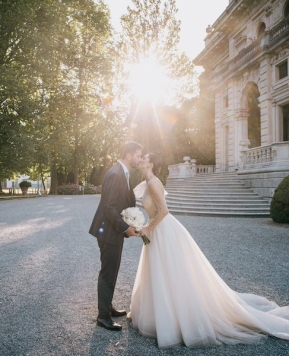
(178, 297)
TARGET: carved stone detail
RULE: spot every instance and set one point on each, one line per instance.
(280, 55)
(241, 114)
(268, 10)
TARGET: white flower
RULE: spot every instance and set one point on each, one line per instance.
(134, 217)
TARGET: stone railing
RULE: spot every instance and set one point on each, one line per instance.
(188, 169)
(276, 154)
(180, 170)
(246, 53)
(242, 57)
(205, 169)
(279, 29)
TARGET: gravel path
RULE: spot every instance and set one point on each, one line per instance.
(49, 266)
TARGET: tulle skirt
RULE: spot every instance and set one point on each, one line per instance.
(179, 298)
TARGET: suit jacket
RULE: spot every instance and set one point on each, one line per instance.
(107, 224)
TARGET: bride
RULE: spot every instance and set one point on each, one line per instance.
(178, 297)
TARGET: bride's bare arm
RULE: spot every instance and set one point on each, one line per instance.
(157, 192)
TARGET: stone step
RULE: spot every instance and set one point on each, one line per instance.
(208, 191)
(202, 183)
(193, 192)
(224, 213)
(206, 185)
(178, 200)
(203, 179)
(209, 205)
(219, 211)
(215, 195)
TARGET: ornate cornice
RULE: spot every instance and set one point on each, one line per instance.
(235, 12)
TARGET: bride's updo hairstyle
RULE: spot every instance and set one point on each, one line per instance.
(157, 163)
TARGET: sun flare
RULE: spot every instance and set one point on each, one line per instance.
(148, 81)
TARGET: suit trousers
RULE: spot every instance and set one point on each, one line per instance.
(110, 257)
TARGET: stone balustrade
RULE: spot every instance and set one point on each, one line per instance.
(246, 53)
(188, 169)
(276, 154)
(279, 29)
(205, 169)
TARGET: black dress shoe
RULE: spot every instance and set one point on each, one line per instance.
(108, 323)
(117, 313)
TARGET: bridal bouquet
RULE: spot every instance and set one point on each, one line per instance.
(134, 217)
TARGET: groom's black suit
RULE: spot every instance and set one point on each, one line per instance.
(109, 228)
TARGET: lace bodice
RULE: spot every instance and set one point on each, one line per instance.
(149, 204)
(153, 200)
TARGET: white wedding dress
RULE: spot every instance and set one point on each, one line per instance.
(178, 297)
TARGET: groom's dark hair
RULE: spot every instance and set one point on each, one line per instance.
(130, 147)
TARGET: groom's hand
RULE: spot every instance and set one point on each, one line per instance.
(131, 231)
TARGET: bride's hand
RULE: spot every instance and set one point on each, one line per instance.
(144, 231)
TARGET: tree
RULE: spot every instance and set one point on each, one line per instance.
(90, 66)
(150, 30)
(74, 84)
(55, 59)
(17, 106)
(30, 31)
(150, 37)
(194, 134)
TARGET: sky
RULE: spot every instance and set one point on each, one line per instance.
(195, 16)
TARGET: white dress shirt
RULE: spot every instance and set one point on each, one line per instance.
(126, 172)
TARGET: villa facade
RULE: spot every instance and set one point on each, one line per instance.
(246, 64)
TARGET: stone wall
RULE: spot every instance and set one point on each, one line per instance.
(264, 183)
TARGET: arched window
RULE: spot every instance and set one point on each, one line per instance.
(286, 12)
(261, 29)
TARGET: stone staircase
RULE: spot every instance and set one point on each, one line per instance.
(215, 195)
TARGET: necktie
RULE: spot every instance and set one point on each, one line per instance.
(127, 178)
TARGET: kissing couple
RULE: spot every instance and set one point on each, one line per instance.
(178, 297)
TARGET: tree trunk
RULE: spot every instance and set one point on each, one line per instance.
(75, 159)
(42, 178)
(54, 181)
(76, 176)
(43, 183)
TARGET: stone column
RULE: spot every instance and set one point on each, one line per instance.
(266, 113)
(275, 122)
(242, 141)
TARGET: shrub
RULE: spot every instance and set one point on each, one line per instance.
(279, 209)
(24, 183)
(73, 189)
(90, 189)
(68, 189)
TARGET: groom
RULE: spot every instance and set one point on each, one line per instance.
(110, 229)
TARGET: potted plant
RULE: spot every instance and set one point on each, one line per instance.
(24, 185)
